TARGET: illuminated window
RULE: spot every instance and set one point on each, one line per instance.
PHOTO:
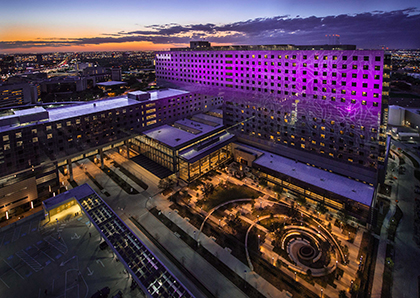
(18, 134)
(364, 102)
(49, 136)
(34, 140)
(5, 138)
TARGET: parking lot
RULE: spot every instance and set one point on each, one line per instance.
(61, 259)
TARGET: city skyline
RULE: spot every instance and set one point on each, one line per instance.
(45, 27)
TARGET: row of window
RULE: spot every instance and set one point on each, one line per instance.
(286, 56)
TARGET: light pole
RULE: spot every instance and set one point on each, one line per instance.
(322, 292)
(258, 242)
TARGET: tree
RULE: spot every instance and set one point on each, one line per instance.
(342, 294)
(343, 217)
(208, 189)
(301, 199)
(329, 227)
(165, 183)
(278, 189)
(263, 183)
(320, 207)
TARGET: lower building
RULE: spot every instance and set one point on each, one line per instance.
(189, 147)
(314, 185)
(36, 142)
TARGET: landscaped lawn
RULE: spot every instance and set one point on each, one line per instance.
(231, 192)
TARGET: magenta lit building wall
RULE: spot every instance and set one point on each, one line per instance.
(327, 108)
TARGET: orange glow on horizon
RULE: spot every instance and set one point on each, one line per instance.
(128, 46)
(34, 32)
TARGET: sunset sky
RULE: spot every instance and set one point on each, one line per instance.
(45, 26)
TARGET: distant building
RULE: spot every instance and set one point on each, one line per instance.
(17, 94)
(116, 74)
(199, 44)
(39, 59)
(7, 64)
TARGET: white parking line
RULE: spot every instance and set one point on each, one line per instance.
(44, 253)
(13, 269)
(16, 235)
(5, 283)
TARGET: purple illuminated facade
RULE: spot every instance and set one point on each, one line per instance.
(323, 106)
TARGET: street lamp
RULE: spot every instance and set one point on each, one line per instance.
(322, 291)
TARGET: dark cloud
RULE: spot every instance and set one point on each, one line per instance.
(395, 29)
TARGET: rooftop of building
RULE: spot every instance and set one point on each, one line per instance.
(182, 132)
(89, 108)
(111, 83)
(158, 94)
(340, 185)
(77, 193)
(11, 118)
(206, 147)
